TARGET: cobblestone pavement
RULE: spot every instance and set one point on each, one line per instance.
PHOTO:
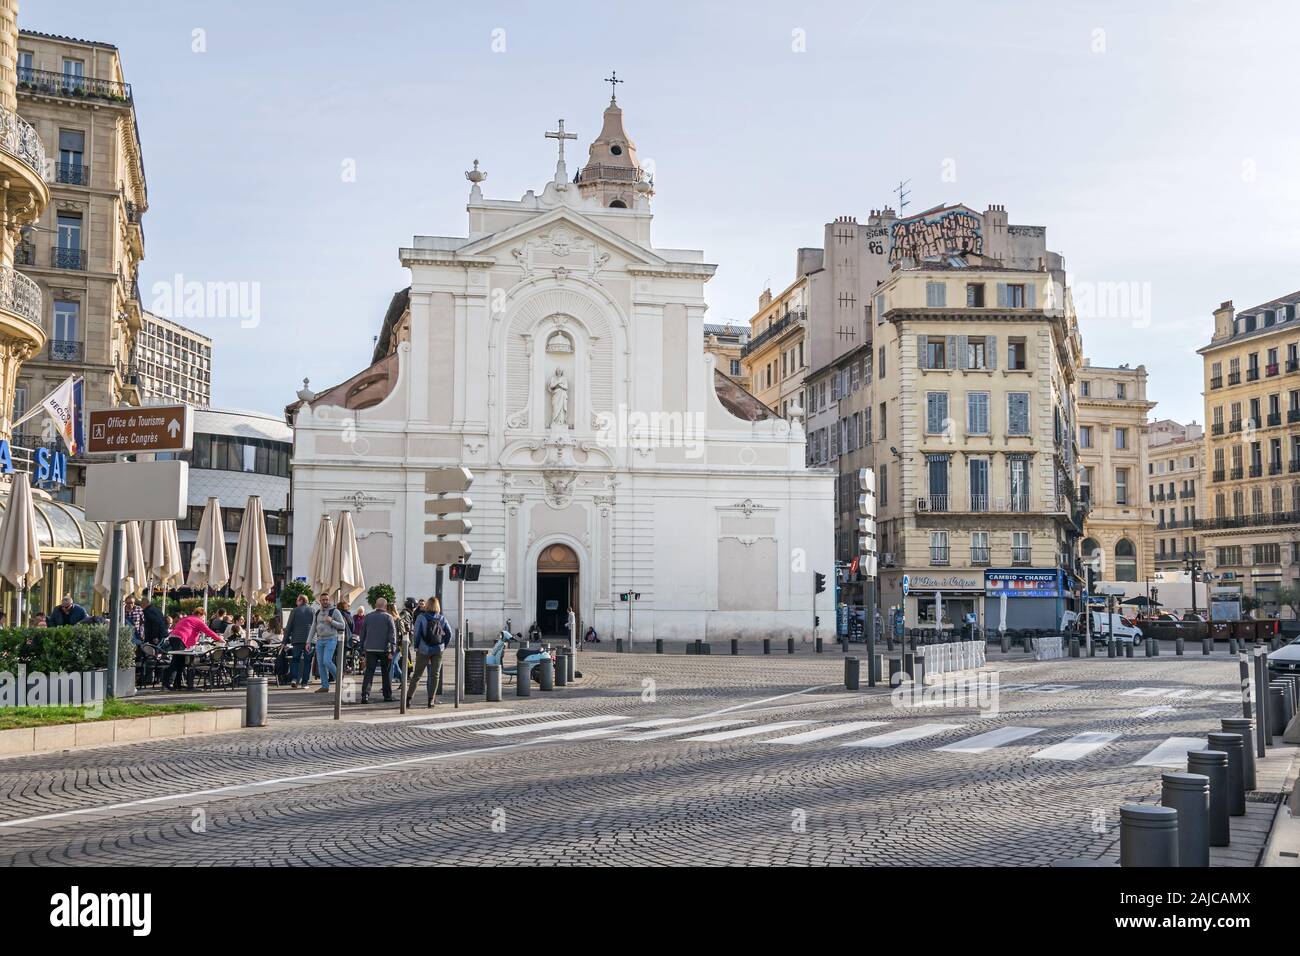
(650, 760)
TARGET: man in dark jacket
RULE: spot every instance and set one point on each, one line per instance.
(296, 634)
(66, 613)
(379, 640)
(155, 624)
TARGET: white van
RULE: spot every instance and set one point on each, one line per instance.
(1102, 623)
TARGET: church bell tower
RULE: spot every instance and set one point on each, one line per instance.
(612, 174)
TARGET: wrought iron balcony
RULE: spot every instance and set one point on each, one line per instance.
(1252, 374)
(979, 555)
(1293, 465)
(1275, 467)
(49, 83)
(1021, 555)
(1234, 378)
(938, 555)
(1293, 365)
(1274, 419)
(1262, 520)
(1292, 415)
(1217, 475)
(1256, 471)
(1270, 368)
(1235, 425)
(1216, 381)
(66, 258)
(66, 350)
(20, 296)
(1237, 474)
(772, 331)
(72, 174)
(20, 140)
(1216, 428)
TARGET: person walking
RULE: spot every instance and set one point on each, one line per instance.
(68, 612)
(327, 628)
(432, 634)
(405, 625)
(379, 641)
(296, 635)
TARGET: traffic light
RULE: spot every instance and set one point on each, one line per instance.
(819, 581)
(462, 571)
(817, 621)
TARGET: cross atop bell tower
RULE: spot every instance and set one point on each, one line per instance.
(613, 82)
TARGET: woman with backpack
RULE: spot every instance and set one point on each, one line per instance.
(432, 634)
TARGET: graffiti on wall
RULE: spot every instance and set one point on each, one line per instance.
(952, 233)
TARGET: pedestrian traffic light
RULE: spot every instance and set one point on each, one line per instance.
(819, 580)
(464, 572)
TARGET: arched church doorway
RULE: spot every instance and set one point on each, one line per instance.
(557, 589)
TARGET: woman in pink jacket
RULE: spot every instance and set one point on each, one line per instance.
(184, 635)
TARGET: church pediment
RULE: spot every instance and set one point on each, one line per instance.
(562, 237)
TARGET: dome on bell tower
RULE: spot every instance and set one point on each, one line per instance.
(613, 174)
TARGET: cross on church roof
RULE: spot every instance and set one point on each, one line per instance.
(561, 135)
(613, 82)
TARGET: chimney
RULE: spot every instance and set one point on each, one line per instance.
(764, 299)
(1223, 321)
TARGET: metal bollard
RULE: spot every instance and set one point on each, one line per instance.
(1189, 794)
(1288, 702)
(735, 647)
(789, 645)
(1128, 650)
(850, 673)
(1147, 642)
(767, 645)
(1006, 643)
(1214, 765)
(1148, 836)
(1074, 647)
(561, 669)
(1092, 648)
(1234, 746)
(1207, 645)
(1155, 647)
(572, 670)
(255, 698)
(1232, 646)
(523, 680)
(1246, 727)
(493, 683)
(699, 646)
(618, 645)
(1179, 646)
(1110, 648)
(547, 676)
(1276, 711)
(819, 645)
(659, 645)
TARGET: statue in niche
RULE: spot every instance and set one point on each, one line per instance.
(559, 389)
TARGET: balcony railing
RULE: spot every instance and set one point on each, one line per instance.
(1252, 374)
(1187, 493)
(979, 555)
(1293, 365)
(1217, 475)
(938, 555)
(66, 350)
(20, 140)
(65, 258)
(1237, 474)
(1256, 470)
(1021, 555)
(1275, 467)
(1234, 425)
(72, 174)
(1216, 381)
(1263, 520)
(1292, 415)
(1270, 368)
(772, 331)
(20, 295)
(50, 83)
(1293, 465)
(936, 503)
(1216, 428)
(978, 504)
(1274, 419)
(1234, 378)
(626, 174)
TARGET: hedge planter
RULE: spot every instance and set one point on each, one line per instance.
(99, 733)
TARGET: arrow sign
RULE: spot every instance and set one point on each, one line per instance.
(448, 526)
(173, 427)
(448, 505)
(1162, 709)
(446, 552)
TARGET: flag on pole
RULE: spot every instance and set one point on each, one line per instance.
(61, 406)
(78, 416)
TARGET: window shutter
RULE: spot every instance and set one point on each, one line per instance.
(1002, 295)
(962, 357)
(922, 354)
(991, 351)
(950, 352)
(1030, 291)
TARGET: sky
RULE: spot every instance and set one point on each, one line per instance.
(293, 147)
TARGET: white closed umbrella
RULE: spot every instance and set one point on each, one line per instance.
(208, 568)
(938, 613)
(162, 554)
(347, 582)
(134, 575)
(250, 576)
(20, 551)
(1002, 612)
(322, 553)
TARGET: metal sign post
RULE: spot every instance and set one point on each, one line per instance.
(115, 606)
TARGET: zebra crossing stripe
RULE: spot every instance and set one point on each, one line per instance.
(1171, 753)
(380, 721)
(1077, 747)
(987, 741)
(822, 733)
(467, 721)
(549, 725)
(904, 735)
(583, 734)
(751, 731)
(661, 722)
(674, 731)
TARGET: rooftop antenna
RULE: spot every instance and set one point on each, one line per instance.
(903, 193)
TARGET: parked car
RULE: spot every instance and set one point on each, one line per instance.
(1103, 625)
(1197, 618)
(1286, 659)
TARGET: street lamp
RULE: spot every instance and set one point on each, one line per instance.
(1193, 567)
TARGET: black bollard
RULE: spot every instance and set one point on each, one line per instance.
(1234, 746)
(1189, 794)
(1179, 645)
(1110, 648)
(1207, 645)
(735, 647)
(659, 645)
(819, 645)
(767, 645)
(850, 673)
(789, 645)
(1246, 727)
(1148, 836)
(1214, 765)
(1128, 649)
(698, 647)
(618, 645)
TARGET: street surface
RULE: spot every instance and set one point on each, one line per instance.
(652, 760)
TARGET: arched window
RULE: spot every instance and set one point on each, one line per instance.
(1089, 548)
(618, 204)
(1125, 561)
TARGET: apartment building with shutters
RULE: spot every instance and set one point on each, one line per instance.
(1176, 491)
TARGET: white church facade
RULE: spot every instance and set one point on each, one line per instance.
(558, 354)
